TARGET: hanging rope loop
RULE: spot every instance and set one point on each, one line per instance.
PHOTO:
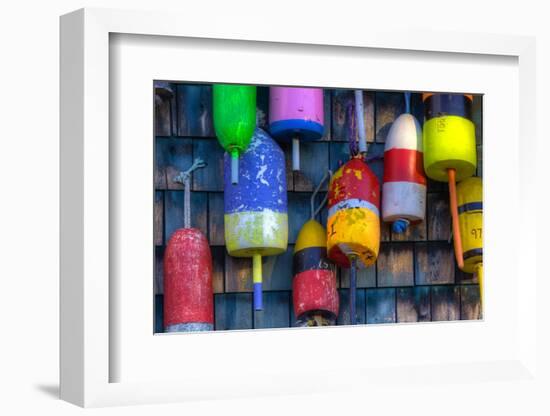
(185, 179)
(314, 212)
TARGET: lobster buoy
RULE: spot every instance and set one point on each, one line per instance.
(234, 120)
(188, 293)
(449, 147)
(314, 293)
(404, 186)
(256, 219)
(296, 114)
(353, 226)
(470, 217)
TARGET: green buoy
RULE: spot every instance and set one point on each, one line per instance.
(234, 120)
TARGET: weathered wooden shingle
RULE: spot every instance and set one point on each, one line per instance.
(216, 231)
(159, 314)
(414, 232)
(233, 311)
(439, 217)
(380, 306)
(360, 307)
(298, 213)
(470, 306)
(277, 270)
(445, 303)
(344, 122)
(164, 104)
(159, 270)
(365, 277)
(435, 263)
(414, 304)
(158, 226)
(389, 106)
(313, 156)
(173, 212)
(395, 265)
(238, 274)
(194, 104)
(210, 178)
(276, 312)
(174, 155)
(218, 268)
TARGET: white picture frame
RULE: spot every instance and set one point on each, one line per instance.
(89, 302)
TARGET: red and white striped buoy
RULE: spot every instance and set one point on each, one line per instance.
(404, 186)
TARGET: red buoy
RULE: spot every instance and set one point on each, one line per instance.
(188, 292)
(188, 299)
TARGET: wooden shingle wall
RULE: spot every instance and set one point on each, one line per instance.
(415, 278)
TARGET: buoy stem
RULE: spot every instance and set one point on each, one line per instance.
(257, 281)
(234, 166)
(479, 272)
(359, 115)
(295, 153)
(457, 240)
(352, 290)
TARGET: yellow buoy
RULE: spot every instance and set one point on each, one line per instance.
(470, 218)
(449, 147)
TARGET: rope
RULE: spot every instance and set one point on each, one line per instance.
(314, 211)
(359, 115)
(185, 179)
(353, 147)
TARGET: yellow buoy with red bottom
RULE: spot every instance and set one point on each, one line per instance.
(314, 293)
(353, 226)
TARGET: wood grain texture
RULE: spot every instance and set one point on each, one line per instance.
(276, 313)
(435, 263)
(298, 213)
(338, 155)
(414, 232)
(209, 178)
(158, 212)
(413, 304)
(313, 155)
(233, 311)
(160, 163)
(365, 277)
(238, 274)
(287, 150)
(216, 230)
(262, 108)
(380, 306)
(218, 268)
(343, 115)
(360, 308)
(417, 107)
(477, 104)
(159, 271)
(389, 106)
(445, 303)
(470, 305)
(194, 110)
(159, 314)
(163, 115)
(178, 157)
(277, 271)
(395, 265)
(438, 217)
(173, 214)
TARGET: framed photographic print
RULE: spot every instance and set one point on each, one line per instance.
(287, 213)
